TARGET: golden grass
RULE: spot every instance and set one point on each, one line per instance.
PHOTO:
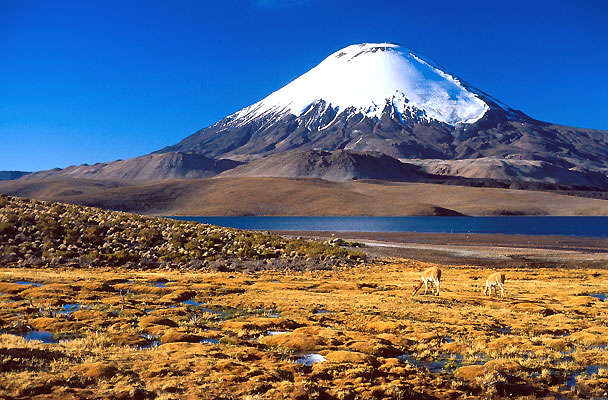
(546, 338)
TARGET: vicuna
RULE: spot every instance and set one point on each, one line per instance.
(432, 275)
(494, 280)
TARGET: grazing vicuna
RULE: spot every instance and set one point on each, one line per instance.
(432, 275)
(494, 280)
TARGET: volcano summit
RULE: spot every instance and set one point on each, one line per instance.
(368, 78)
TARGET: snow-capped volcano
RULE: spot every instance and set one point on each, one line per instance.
(387, 98)
(365, 78)
(374, 111)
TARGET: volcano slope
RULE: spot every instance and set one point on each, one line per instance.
(349, 330)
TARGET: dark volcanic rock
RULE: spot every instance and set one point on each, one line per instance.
(492, 136)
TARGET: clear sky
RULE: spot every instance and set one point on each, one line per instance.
(91, 81)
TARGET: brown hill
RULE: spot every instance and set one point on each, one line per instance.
(152, 167)
(512, 170)
(10, 175)
(340, 165)
(283, 196)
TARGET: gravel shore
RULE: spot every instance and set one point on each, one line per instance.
(478, 249)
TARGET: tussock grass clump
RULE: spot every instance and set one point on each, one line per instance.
(38, 233)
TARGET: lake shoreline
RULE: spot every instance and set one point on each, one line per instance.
(484, 250)
(592, 227)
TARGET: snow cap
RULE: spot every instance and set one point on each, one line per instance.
(369, 76)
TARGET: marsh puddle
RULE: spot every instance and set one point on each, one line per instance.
(590, 370)
(444, 364)
(43, 336)
(432, 366)
(68, 309)
(221, 315)
(29, 283)
(601, 296)
(271, 313)
(309, 358)
(322, 311)
(154, 342)
(274, 333)
(159, 284)
(193, 303)
(211, 341)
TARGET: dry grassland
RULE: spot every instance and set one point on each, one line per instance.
(284, 196)
(126, 334)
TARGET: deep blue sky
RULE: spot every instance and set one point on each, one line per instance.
(85, 81)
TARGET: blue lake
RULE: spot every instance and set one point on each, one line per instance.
(568, 226)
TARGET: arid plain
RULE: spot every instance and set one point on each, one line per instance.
(301, 196)
(274, 318)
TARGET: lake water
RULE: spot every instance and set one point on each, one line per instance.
(569, 226)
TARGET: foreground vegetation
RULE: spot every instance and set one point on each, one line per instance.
(37, 233)
(286, 319)
(208, 335)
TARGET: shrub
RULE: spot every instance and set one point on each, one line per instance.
(9, 253)
(50, 227)
(93, 234)
(121, 257)
(179, 237)
(71, 236)
(150, 236)
(7, 228)
(91, 258)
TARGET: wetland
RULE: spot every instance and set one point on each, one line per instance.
(262, 317)
(260, 334)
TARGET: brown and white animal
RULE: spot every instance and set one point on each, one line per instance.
(431, 275)
(497, 279)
